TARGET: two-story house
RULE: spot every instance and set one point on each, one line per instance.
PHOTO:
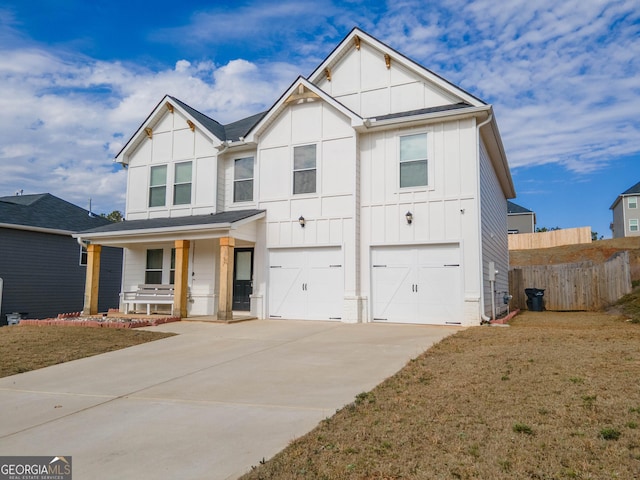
(371, 191)
(626, 213)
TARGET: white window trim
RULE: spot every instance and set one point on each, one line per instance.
(430, 160)
(635, 202)
(317, 170)
(253, 179)
(175, 183)
(633, 225)
(149, 186)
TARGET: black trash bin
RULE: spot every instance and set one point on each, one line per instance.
(535, 299)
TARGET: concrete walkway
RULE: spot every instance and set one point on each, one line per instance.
(206, 404)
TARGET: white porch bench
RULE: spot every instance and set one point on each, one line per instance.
(149, 295)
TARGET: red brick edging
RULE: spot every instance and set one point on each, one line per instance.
(504, 320)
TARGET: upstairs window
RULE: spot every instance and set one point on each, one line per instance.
(158, 186)
(243, 180)
(153, 272)
(304, 169)
(182, 184)
(632, 202)
(633, 225)
(413, 160)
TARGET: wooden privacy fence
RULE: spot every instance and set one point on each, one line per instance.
(568, 236)
(573, 286)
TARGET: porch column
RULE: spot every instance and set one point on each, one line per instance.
(92, 280)
(181, 278)
(225, 301)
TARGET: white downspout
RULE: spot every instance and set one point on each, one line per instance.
(482, 314)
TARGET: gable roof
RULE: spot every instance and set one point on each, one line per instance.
(45, 212)
(632, 190)
(514, 208)
(302, 90)
(635, 190)
(359, 35)
(212, 128)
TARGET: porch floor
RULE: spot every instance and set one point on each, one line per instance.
(237, 317)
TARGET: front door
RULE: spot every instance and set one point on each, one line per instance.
(242, 278)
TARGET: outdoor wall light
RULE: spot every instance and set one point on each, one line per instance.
(302, 221)
(409, 217)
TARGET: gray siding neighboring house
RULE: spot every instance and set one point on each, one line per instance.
(520, 219)
(626, 213)
(40, 262)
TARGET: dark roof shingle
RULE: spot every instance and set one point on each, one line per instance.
(158, 223)
(515, 208)
(46, 211)
(632, 190)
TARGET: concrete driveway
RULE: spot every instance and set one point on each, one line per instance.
(206, 404)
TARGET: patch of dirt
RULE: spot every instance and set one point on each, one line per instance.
(599, 252)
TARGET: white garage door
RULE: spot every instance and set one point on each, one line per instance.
(306, 284)
(417, 284)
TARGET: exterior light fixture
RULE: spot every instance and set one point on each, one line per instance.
(302, 221)
(409, 217)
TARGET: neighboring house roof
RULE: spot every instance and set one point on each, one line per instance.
(514, 208)
(635, 190)
(46, 212)
(222, 219)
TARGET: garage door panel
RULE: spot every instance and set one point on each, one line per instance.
(439, 294)
(325, 292)
(393, 295)
(417, 284)
(286, 296)
(314, 292)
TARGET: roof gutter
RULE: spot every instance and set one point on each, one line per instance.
(484, 317)
(53, 231)
(459, 114)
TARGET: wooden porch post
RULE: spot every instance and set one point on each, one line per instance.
(92, 280)
(225, 301)
(181, 278)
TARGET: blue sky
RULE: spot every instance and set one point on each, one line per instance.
(78, 77)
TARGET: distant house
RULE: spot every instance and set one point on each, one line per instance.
(626, 213)
(520, 219)
(42, 266)
(371, 191)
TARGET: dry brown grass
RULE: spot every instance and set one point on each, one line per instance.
(26, 348)
(555, 396)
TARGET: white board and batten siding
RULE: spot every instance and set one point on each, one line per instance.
(172, 141)
(444, 213)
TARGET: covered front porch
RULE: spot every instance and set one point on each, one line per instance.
(200, 261)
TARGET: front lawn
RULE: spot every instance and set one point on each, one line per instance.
(25, 348)
(554, 396)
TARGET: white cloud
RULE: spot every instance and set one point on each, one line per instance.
(561, 75)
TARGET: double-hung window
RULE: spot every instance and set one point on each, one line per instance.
(243, 179)
(632, 202)
(158, 186)
(304, 169)
(413, 160)
(153, 272)
(633, 224)
(182, 184)
(172, 270)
